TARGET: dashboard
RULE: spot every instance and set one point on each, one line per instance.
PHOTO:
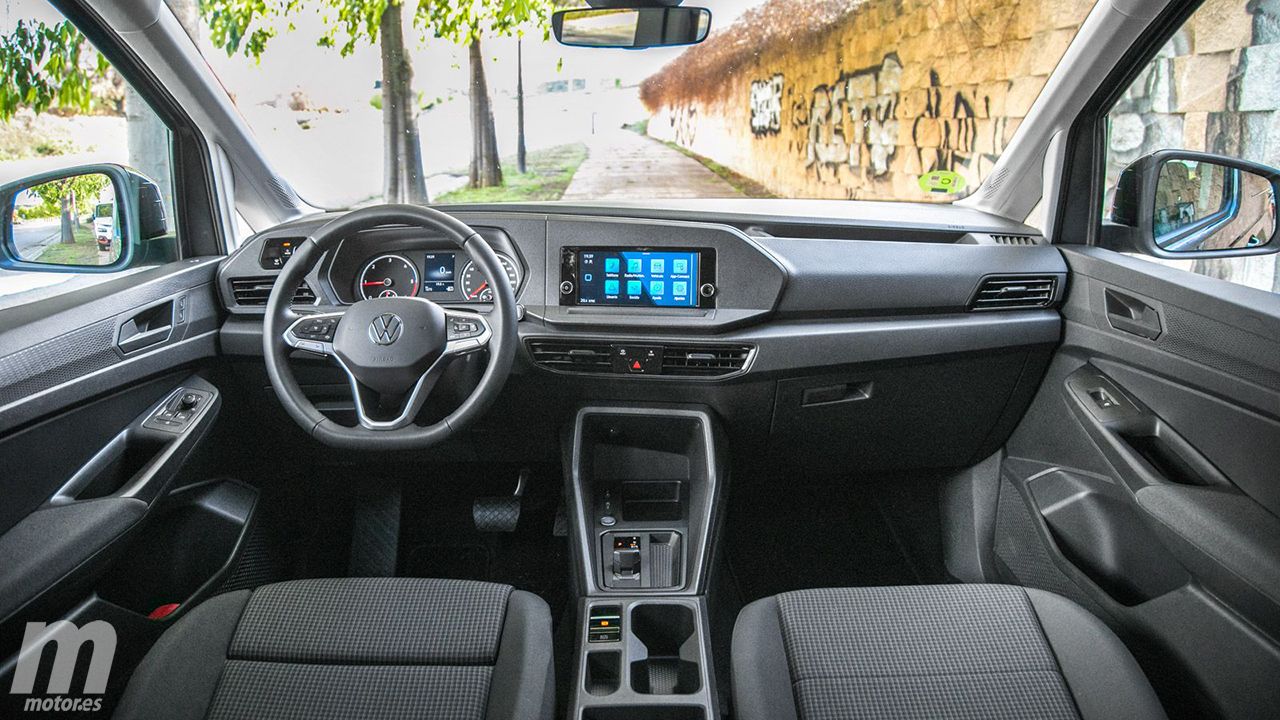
(568, 271)
(794, 330)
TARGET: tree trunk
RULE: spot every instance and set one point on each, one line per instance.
(403, 180)
(521, 165)
(486, 170)
(67, 222)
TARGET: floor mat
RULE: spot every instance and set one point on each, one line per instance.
(438, 537)
(785, 537)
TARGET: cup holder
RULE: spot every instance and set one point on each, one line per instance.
(667, 634)
(604, 672)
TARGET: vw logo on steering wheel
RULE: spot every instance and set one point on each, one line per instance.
(385, 329)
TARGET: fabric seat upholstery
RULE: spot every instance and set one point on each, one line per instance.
(352, 648)
(945, 651)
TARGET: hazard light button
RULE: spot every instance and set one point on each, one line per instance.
(637, 359)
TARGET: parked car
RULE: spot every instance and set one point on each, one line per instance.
(104, 225)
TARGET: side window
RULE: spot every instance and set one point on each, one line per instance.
(1211, 88)
(80, 152)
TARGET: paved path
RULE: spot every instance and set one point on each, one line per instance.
(33, 236)
(622, 165)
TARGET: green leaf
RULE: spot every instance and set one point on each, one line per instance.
(46, 67)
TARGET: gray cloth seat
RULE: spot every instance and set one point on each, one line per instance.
(941, 651)
(352, 648)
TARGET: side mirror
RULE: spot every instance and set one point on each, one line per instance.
(631, 27)
(1179, 205)
(91, 218)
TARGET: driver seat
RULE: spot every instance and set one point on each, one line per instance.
(352, 648)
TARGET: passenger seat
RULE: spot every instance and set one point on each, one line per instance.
(940, 651)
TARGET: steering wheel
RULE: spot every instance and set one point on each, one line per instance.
(393, 349)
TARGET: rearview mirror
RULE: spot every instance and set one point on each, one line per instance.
(1178, 204)
(83, 219)
(631, 27)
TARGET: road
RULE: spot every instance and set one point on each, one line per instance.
(622, 165)
(32, 236)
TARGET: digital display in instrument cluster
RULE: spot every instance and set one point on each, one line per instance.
(439, 272)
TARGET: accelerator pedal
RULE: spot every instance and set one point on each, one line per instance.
(500, 514)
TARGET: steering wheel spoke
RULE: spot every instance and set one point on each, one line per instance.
(467, 333)
(314, 333)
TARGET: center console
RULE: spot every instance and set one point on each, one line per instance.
(643, 489)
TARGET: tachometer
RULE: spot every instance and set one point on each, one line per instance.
(476, 287)
(387, 276)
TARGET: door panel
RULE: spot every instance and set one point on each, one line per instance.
(84, 457)
(1143, 481)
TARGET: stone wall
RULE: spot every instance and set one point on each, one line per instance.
(859, 108)
(859, 104)
(1214, 87)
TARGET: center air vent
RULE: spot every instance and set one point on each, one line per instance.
(1010, 292)
(253, 292)
(704, 360)
(582, 356)
(605, 357)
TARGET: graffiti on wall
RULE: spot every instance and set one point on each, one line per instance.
(684, 124)
(766, 106)
(948, 135)
(856, 125)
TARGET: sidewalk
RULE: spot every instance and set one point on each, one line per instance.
(622, 165)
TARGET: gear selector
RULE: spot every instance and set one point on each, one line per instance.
(626, 557)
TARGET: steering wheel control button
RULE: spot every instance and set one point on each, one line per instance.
(321, 329)
(463, 329)
(311, 346)
(707, 290)
(637, 359)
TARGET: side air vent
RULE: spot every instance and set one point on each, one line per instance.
(1010, 292)
(253, 292)
(704, 360)
(584, 356)
(1014, 240)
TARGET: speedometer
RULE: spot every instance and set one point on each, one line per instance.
(388, 276)
(476, 287)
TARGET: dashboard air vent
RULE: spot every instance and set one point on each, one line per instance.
(1014, 240)
(583, 356)
(1011, 292)
(253, 292)
(704, 360)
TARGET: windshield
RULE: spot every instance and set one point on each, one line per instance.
(844, 99)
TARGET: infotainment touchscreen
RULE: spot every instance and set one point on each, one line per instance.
(637, 277)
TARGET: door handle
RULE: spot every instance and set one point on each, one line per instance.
(1131, 315)
(149, 327)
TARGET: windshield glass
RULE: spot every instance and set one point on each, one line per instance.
(450, 101)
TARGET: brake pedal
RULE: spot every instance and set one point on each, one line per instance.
(500, 514)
